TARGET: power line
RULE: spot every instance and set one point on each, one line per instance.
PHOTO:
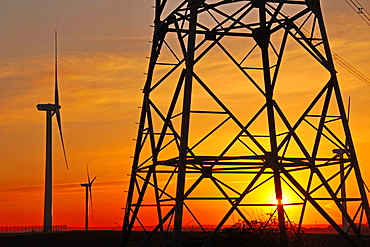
(340, 61)
(365, 16)
(361, 11)
(350, 68)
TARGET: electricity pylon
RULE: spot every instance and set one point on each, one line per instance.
(242, 99)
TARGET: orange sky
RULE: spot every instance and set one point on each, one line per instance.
(102, 50)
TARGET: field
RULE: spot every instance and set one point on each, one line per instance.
(62, 239)
(111, 238)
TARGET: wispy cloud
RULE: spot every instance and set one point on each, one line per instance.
(92, 84)
(19, 192)
(112, 38)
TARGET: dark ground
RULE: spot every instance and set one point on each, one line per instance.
(62, 239)
(112, 238)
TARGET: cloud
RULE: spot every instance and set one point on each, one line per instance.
(18, 193)
(113, 39)
(91, 85)
(329, 206)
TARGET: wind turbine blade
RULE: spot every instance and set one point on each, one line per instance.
(88, 176)
(56, 96)
(61, 135)
(91, 204)
(92, 181)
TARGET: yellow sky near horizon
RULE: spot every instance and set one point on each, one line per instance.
(102, 50)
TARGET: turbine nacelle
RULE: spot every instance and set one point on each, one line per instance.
(48, 107)
(89, 183)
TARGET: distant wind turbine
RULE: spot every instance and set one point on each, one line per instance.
(51, 110)
(88, 186)
(343, 188)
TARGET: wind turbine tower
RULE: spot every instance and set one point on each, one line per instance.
(88, 186)
(51, 110)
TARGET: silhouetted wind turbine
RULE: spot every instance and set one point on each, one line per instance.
(340, 154)
(88, 191)
(51, 110)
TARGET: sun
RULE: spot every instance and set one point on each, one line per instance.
(274, 201)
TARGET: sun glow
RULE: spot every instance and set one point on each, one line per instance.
(274, 201)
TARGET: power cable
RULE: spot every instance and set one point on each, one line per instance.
(361, 11)
(350, 68)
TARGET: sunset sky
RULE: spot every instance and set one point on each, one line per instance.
(103, 47)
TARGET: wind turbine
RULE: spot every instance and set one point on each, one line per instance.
(88, 191)
(51, 110)
(343, 191)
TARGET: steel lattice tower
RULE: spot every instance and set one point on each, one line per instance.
(228, 115)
